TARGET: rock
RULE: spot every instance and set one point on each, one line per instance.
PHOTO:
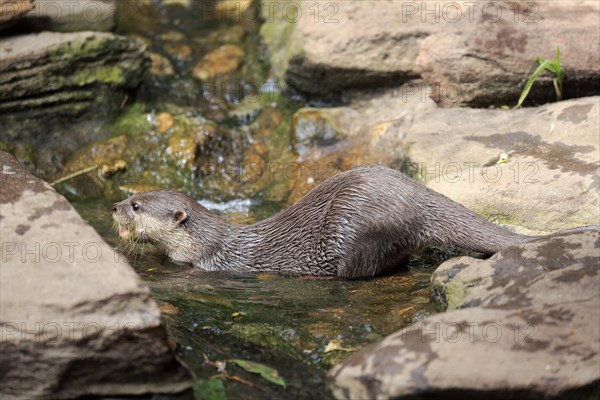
(75, 318)
(481, 66)
(549, 181)
(316, 127)
(546, 182)
(224, 34)
(64, 72)
(528, 275)
(470, 53)
(246, 13)
(367, 131)
(164, 122)
(161, 66)
(11, 11)
(182, 3)
(326, 47)
(179, 51)
(157, 151)
(219, 62)
(49, 78)
(72, 16)
(183, 144)
(531, 330)
(172, 36)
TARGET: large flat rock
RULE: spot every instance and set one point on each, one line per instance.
(329, 46)
(536, 168)
(525, 325)
(56, 89)
(487, 62)
(470, 53)
(73, 16)
(75, 319)
(533, 169)
(49, 73)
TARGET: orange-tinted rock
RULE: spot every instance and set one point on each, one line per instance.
(164, 122)
(219, 62)
(179, 51)
(161, 66)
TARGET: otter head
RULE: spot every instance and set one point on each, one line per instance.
(156, 216)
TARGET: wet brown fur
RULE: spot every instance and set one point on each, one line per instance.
(359, 223)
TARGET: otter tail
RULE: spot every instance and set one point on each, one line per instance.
(450, 223)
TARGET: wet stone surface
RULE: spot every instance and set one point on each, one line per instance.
(529, 315)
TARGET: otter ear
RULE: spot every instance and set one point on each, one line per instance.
(179, 216)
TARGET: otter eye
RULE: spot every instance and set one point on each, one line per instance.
(135, 206)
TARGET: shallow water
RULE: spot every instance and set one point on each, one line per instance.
(299, 327)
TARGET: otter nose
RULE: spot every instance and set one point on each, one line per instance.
(114, 209)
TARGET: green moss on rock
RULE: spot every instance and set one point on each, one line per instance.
(264, 335)
(109, 75)
(278, 37)
(133, 121)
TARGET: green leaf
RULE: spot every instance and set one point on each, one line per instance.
(266, 372)
(209, 389)
(552, 66)
(532, 79)
(560, 76)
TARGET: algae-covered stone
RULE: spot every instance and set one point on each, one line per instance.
(183, 144)
(226, 34)
(219, 62)
(315, 127)
(164, 122)
(268, 336)
(49, 73)
(57, 88)
(170, 144)
(161, 66)
(179, 51)
(172, 36)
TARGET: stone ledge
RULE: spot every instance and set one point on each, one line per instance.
(75, 319)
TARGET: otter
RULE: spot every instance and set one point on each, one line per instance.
(359, 223)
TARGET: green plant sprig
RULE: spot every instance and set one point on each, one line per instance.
(552, 66)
